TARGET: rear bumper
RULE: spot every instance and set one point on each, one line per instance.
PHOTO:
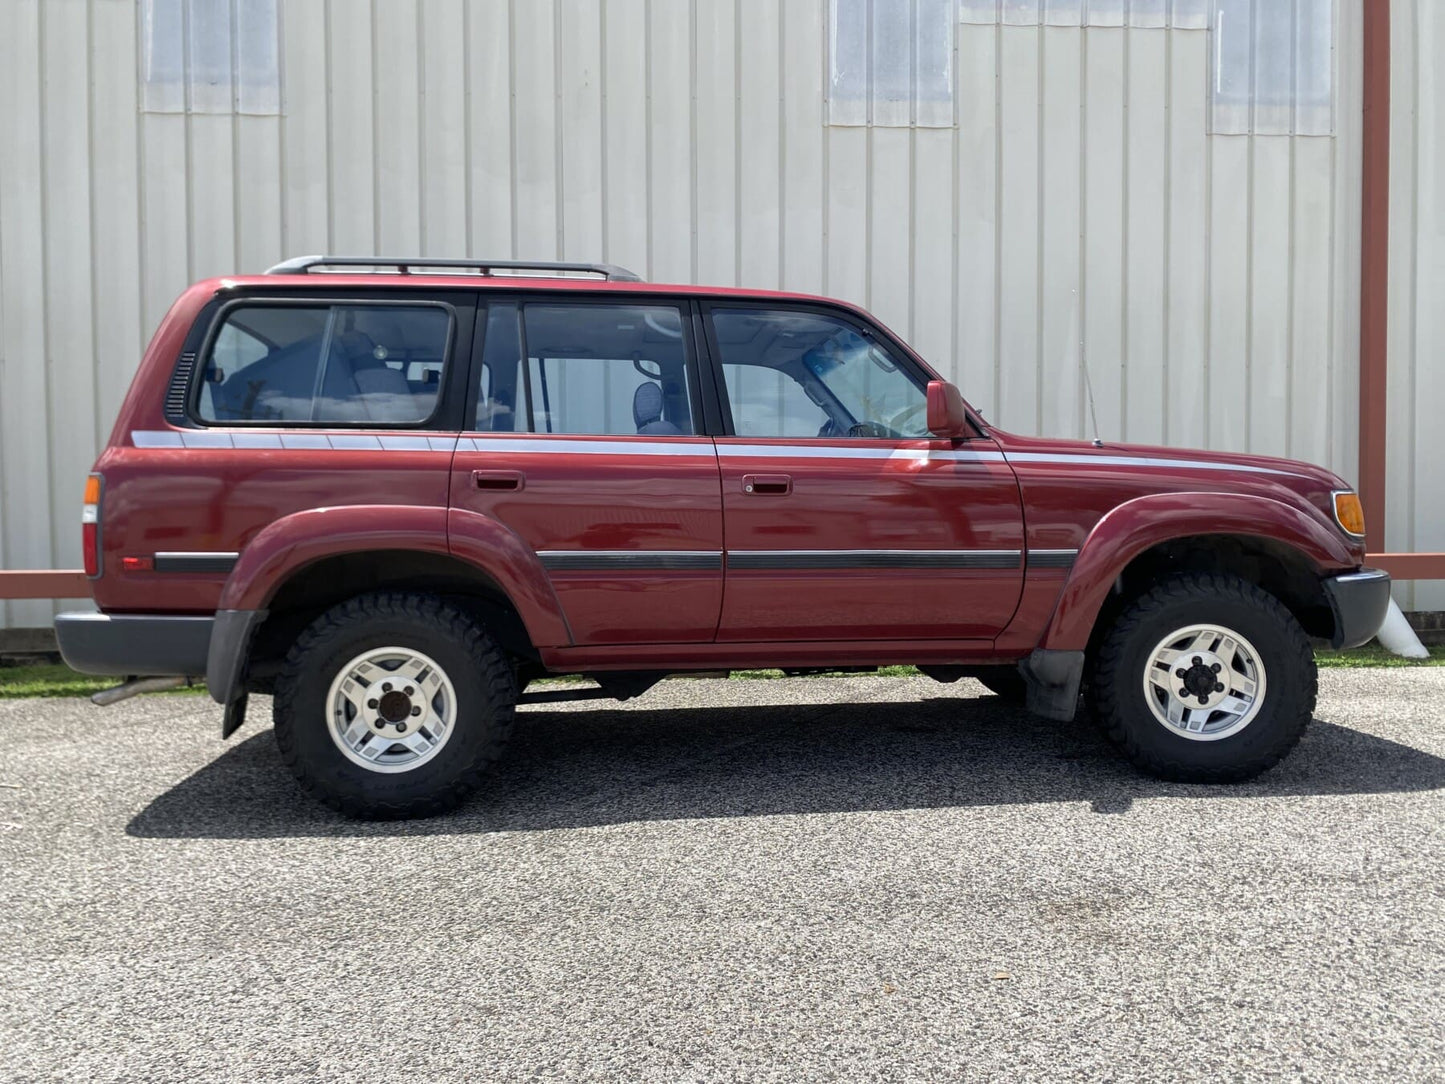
(140, 645)
(1360, 601)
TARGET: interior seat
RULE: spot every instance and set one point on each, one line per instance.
(647, 412)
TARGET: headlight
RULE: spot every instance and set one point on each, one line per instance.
(1348, 513)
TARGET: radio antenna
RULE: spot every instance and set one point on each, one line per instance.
(1078, 340)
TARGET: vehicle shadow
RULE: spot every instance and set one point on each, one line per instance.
(573, 769)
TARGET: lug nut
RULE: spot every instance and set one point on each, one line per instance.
(416, 710)
(409, 690)
(401, 727)
(1215, 667)
(387, 687)
(1197, 662)
(1218, 687)
(371, 704)
(1183, 694)
(1180, 674)
(1204, 699)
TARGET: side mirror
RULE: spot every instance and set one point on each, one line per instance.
(946, 417)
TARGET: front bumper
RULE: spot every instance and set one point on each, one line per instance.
(1359, 601)
(138, 645)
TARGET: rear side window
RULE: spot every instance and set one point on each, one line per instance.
(357, 364)
(619, 370)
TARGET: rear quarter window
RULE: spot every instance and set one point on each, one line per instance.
(361, 363)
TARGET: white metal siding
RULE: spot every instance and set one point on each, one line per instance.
(1212, 279)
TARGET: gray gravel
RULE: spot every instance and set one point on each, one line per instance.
(828, 879)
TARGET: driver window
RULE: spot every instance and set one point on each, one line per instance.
(804, 374)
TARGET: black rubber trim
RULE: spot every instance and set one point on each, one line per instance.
(745, 561)
(134, 645)
(229, 649)
(582, 561)
(195, 562)
(1360, 600)
(1052, 558)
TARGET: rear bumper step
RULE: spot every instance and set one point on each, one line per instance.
(142, 645)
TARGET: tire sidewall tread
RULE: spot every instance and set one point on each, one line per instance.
(481, 675)
(1116, 679)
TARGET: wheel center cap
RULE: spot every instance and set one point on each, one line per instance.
(1202, 680)
(395, 706)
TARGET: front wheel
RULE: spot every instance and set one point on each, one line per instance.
(393, 705)
(1207, 678)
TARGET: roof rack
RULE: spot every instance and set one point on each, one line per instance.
(302, 265)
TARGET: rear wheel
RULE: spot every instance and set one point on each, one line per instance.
(1206, 678)
(393, 705)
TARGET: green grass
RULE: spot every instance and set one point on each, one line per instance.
(1375, 655)
(17, 682)
(57, 679)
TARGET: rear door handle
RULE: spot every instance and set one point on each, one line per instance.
(497, 479)
(767, 485)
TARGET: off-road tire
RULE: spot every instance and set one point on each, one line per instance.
(1116, 679)
(486, 691)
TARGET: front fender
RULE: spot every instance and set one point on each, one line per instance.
(1135, 526)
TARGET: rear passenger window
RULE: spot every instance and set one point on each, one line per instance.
(618, 370)
(358, 364)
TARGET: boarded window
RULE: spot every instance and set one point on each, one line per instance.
(210, 56)
(1191, 14)
(1273, 68)
(890, 62)
(1271, 61)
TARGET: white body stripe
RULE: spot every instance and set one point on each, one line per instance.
(293, 440)
(542, 444)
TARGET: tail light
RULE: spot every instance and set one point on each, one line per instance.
(90, 525)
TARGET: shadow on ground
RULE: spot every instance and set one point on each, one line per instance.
(582, 769)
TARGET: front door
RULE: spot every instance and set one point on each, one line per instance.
(845, 519)
(584, 441)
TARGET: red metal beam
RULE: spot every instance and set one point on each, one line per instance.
(44, 583)
(1410, 566)
(1374, 265)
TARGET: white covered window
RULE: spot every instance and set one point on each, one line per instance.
(1271, 61)
(890, 62)
(210, 56)
(1193, 14)
(1272, 67)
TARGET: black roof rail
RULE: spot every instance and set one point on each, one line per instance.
(302, 265)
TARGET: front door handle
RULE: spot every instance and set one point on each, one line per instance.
(497, 479)
(767, 485)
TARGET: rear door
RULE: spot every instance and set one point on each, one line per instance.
(584, 439)
(845, 519)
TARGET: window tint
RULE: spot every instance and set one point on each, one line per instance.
(802, 374)
(589, 369)
(345, 364)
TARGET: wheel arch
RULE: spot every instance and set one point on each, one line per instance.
(303, 564)
(1281, 547)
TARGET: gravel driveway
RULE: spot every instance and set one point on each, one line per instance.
(818, 879)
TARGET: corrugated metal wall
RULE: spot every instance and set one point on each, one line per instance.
(1416, 404)
(1212, 279)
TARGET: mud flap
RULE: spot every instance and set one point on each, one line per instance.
(1052, 680)
(235, 715)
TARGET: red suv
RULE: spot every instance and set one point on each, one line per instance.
(391, 493)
